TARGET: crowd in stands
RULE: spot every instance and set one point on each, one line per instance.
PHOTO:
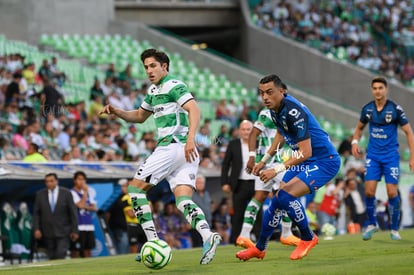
(374, 34)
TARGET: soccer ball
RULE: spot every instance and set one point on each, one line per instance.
(156, 254)
(328, 230)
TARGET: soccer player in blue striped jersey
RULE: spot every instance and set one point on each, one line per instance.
(313, 162)
(383, 117)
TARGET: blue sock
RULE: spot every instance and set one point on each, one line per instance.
(370, 203)
(271, 220)
(394, 211)
(296, 213)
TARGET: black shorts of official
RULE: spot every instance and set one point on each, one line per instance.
(135, 234)
(86, 240)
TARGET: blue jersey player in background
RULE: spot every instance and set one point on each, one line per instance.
(383, 117)
(313, 161)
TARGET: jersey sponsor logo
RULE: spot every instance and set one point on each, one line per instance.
(294, 112)
(158, 109)
(276, 219)
(299, 215)
(379, 136)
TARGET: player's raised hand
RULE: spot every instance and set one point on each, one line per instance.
(108, 109)
(256, 169)
(190, 151)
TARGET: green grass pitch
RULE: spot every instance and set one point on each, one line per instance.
(346, 254)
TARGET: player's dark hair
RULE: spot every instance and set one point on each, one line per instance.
(271, 78)
(379, 79)
(275, 79)
(79, 173)
(158, 55)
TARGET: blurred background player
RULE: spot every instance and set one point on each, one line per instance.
(383, 117)
(264, 129)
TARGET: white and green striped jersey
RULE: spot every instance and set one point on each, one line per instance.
(164, 101)
(268, 128)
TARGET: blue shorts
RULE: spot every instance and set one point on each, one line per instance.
(316, 173)
(388, 166)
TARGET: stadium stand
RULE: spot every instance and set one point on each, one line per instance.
(374, 35)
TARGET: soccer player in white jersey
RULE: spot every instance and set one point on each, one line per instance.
(265, 129)
(177, 118)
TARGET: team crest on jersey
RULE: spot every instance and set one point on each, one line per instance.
(388, 118)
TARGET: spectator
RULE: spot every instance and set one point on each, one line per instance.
(96, 90)
(117, 221)
(4, 154)
(173, 229)
(51, 100)
(330, 203)
(44, 72)
(221, 222)
(354, 202)
(202, 198)
(57, 74)
(13, 89)
(33, 155)
(54, 218)
(311, 212)
(84, 199)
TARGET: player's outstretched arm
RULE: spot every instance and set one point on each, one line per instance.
(410, 141)
(356, 151)
(135, 116)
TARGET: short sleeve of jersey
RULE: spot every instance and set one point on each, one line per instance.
(146, 104)
(364, 115)
(180, 94)
(297, 120)
(401, 116)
